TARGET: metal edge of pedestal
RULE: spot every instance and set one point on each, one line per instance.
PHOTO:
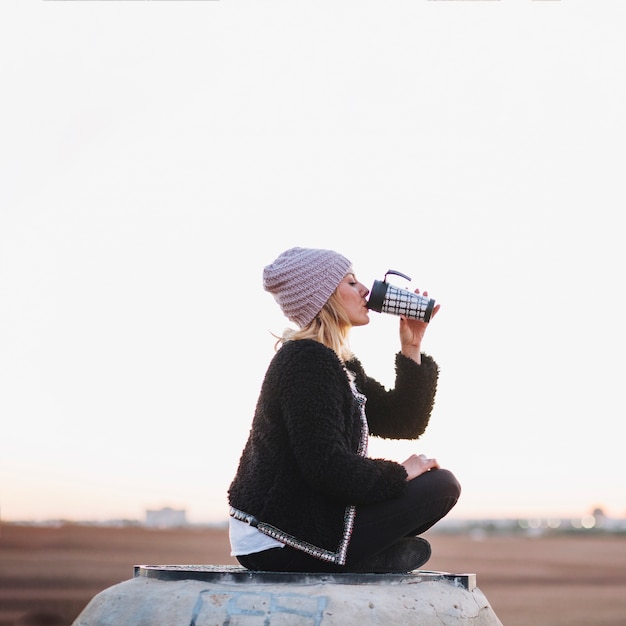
(237, 574)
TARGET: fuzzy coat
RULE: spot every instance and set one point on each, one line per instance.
(300, 468)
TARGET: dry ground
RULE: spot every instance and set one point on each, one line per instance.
(557, 580)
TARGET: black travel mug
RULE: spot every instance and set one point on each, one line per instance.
(387, 298)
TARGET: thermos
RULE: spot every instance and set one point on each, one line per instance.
(387, 298)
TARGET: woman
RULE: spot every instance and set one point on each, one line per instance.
(306, 497)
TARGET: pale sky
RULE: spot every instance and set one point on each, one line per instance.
(154, 156)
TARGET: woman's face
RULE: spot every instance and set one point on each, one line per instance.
(352, 295)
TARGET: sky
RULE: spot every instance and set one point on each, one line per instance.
(155, 156)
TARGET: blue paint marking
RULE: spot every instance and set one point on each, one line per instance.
(309, 609)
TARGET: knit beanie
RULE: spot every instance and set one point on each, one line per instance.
(302, 279)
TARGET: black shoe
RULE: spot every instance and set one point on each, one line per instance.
(403, 556)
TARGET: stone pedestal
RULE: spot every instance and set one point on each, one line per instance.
(210, 595)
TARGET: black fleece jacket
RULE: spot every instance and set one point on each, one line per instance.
(300, 467)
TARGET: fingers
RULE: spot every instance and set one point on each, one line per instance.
(429, 463)
(416, 465)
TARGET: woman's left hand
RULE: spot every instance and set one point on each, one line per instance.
(412, 332)
(418, 464)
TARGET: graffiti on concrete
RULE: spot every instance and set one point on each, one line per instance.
(258, 608)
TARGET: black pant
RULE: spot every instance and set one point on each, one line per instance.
(426, 500)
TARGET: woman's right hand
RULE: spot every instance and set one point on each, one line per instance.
(418, 464)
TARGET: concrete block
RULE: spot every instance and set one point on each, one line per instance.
(232, 596)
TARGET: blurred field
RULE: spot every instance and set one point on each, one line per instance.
(556, 580)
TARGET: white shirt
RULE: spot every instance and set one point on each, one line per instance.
(246, 539)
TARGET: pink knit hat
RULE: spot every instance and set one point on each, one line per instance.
(302, 279)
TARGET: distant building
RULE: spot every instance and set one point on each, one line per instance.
(166, 518)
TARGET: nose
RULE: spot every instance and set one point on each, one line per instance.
(364, 290)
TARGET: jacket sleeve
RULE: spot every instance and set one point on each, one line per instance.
(404, 411)
(319, 416)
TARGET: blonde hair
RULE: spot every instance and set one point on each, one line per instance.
(330, 327)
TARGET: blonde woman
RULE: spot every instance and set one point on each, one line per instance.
(306, 496)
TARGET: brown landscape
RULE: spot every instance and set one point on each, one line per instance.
(49, 574)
